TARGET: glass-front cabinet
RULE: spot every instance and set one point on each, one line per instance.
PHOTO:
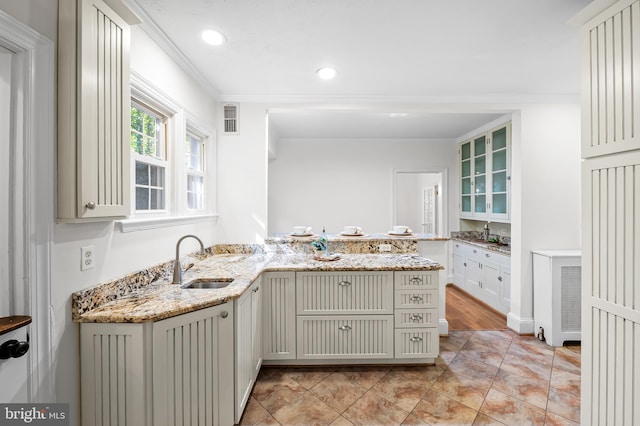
(484, 162)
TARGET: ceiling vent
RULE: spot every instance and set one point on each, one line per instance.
(230, 118)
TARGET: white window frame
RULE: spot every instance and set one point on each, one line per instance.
(177, 123)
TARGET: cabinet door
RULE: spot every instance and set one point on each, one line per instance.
(459, 266)
(192, 374)
(500, 173)
(417, 343)
(243, 351)
(278, 315)
(480, 176)
(94, 106)
(474, 275)
(345, 336)
(322, 293)
(466, 180)
(490, 285)
(505, 287)
(256, 327)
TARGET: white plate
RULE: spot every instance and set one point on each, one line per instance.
(301, 235)
(400, 234)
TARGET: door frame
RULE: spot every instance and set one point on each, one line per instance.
(443, 190)
(32, 136)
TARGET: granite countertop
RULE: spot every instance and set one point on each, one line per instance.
(161, 299)
(498, 248)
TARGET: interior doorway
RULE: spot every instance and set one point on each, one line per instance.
(419, 201)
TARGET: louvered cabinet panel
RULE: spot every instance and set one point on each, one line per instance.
(94, 112)
(416, 280)
(414, 318)
(417, 343)
(416, 299)
(611, 76)
(321, 293)
(278, 315)
(611, 290)
(345, 337)
(113, 374)
(193, 368)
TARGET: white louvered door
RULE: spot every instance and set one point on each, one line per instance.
(278, 315)
(611, 219)
(193, 368)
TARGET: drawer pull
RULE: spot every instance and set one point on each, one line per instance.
(416, 298)
(416, 339)
(415, 317)
(415, 280)
(344, 283)
(344, 328)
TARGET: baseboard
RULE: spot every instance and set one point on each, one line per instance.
(520, 325)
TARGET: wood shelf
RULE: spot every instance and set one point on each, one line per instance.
(13, 322)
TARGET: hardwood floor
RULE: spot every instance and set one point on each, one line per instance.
(464, 312)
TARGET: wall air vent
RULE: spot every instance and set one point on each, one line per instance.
(230, 118)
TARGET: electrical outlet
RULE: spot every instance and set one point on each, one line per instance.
(87, 258)
(384, 248)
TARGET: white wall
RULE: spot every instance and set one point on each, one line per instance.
(119, 253)
(336, 182)
(41, 15)
(546, 195)
(242, 186)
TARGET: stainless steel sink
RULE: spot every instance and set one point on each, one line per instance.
(207, 283)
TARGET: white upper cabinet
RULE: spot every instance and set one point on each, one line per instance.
(485, 176)
(93, 111)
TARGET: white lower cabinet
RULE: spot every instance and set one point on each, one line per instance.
(484, 274)
(170, 372)
(345, 337)
(416, 315)
(278, 316)
(248, 345)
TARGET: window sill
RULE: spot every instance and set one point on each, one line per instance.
(133, 225)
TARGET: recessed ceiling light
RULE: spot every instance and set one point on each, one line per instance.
(212, 37)
(326, 73)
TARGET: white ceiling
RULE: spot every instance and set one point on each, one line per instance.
(431, 59)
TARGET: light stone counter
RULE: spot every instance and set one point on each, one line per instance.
(150, 296)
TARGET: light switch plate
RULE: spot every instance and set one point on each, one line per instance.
(87, 258)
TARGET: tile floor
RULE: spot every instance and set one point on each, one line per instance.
(480, 378)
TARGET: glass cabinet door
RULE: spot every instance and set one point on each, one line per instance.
(499, 171)
(465, 177)
(480, 174)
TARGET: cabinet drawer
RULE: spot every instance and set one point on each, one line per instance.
(413, 318)
(345, 336)
(411, 299)
(322, 293)
(417, 342)
(416, 280)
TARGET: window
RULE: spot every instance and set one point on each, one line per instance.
(194, 163)
(148, 149)
(172, 162)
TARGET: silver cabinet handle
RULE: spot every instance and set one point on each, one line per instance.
(415, 317)
(90, 205)
(415, 280)
(344, 328)
(499, 278)
(487, 255)
(224, 314)
(416, 339)
(344, 283)
(416, 298)
(255, 290)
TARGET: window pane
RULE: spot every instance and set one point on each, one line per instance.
(142, 199)
(499, 138)
(145, 134)
(479, 146)
(193, 152)
(466, 151)
(195, 192)
(142, 173)
(157, 199)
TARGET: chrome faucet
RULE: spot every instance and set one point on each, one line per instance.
(177, 269)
